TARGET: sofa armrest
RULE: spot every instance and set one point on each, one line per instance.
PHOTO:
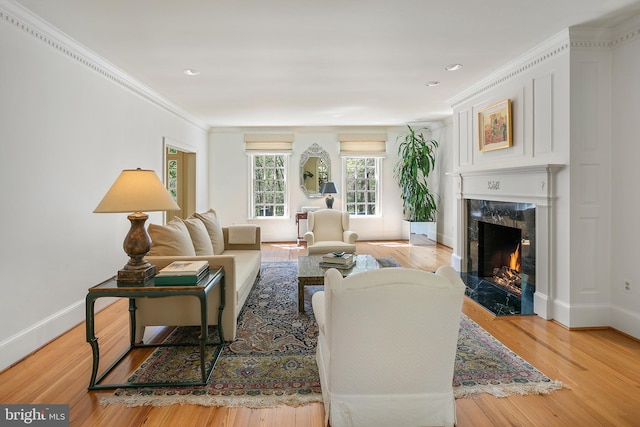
(227, 262)
(228, 246)
(349, 236)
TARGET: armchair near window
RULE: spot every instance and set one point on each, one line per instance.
(328, 231)
(387, 346)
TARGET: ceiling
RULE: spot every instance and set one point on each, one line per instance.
(309, 63)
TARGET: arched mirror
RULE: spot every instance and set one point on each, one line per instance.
(315, 169)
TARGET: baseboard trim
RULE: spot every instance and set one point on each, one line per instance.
(21, 345)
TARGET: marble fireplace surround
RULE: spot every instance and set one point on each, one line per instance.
(524, 184)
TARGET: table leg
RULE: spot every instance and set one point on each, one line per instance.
(132, 321)
(300, 296)
(204, 329)
(221, 308)
(92, 340)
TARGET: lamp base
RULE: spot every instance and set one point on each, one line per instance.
(329, 201)
(136, 245)
(136, 275)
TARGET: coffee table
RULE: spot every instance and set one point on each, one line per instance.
(310, 273)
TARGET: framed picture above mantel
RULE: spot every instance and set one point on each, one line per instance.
(495, 126)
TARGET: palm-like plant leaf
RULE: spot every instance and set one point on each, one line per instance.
(417, 161)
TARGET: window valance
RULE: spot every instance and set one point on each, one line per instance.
(352, 144)
(269, 142)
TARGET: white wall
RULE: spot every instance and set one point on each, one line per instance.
(68, 126)
(625, 194)
(229, 175)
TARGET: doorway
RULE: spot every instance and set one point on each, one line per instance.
(180, 178)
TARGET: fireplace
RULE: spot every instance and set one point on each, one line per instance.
(513, 197)
(500, 274)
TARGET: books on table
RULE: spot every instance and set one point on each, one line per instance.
(182, 273)
(339, 260)
(338, 266)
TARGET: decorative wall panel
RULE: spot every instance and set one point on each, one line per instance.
(543, 114)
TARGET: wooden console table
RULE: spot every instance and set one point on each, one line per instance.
(111, 288)
(300, 216)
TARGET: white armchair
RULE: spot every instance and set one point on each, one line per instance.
(328, 231)
(387, 346)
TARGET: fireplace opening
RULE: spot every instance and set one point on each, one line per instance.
(501, 256)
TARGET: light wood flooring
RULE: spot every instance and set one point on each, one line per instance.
(600, 367)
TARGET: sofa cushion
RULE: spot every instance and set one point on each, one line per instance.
(242, 234)
(199, 236)
(210, 220)
(171, 240)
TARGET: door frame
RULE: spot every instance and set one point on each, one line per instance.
(187, 187)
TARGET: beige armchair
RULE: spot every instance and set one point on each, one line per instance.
(387, 346)
(328, 231)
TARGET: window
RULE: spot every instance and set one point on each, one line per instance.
(362, 179)
(269, 185)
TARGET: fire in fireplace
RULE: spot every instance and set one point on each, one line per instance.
(499, 249)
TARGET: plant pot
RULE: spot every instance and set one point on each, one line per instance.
(421, 233)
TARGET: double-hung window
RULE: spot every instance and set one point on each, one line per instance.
(269, 185)
(362, 185)
(269, 156)
(362, 156)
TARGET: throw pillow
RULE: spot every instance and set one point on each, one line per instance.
(199, 236)
(210, 220)
(172, 239)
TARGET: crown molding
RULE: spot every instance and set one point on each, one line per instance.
(552, 48)
(605, 37)
(590, 37)
(578, 37)
(627, 31)
(24, 20)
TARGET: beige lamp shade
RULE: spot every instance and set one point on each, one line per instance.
(137, 190)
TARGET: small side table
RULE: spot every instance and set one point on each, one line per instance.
(111, 288)
(300, 216)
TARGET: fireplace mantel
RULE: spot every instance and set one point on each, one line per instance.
(530, 184)
(523, 184)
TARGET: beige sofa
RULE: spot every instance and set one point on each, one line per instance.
(237, 249)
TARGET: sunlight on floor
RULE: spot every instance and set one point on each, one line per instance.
(392, 244)
(288, 246)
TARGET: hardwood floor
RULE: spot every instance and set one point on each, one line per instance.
(601, 368)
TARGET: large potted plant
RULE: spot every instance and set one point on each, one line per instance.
(417, 161)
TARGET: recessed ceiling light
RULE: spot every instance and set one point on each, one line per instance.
(191, 72)
(432, 83)
(453, 67)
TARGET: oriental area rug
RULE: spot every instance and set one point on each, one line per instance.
(272, 361)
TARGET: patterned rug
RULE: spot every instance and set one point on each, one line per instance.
(272, 361)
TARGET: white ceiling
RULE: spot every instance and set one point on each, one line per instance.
(309, 63)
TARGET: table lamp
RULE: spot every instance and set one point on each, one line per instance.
(136, 191)
(329, 188)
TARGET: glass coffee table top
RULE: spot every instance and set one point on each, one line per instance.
(310, 273)
(309, 266)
